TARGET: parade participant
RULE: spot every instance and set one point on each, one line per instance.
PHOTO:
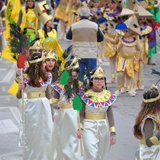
(61, 13)
(97, 113)
(146, 127)
(128, 53)
(27, 21)
(95, 10)
(2, 25)
(115, 10)
(48, 35)
(153, 7)
(85, 35)
(11, 13)
(102, 47)
(37, 140)
(65, 141)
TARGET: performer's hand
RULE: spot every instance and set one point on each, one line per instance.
(121, 45)
(108, 40)
(3, 29)
(112, 140)
(21, 85)
(60, 104)
(79, 134)
(141, 58)
(146, 54)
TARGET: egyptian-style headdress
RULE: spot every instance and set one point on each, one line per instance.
(43, 12)
(98, 73)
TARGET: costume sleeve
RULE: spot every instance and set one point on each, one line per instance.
(19, 18)
(111, 121)
(82, 113)
(19, 94)
(100, 36)
(55, 98)
(37, 35)
(69, 34)
(148, 132)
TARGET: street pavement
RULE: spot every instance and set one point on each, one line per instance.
(125, 110)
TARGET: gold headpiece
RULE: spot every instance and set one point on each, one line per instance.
(98, 73)
(73, 65)
(43, 12)
(36, 45)
(51, 54)
(38, 60)
(152, 99)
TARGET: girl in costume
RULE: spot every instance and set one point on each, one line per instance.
(48, 35)
(37, 128)
(27, 20)
(128, 53)
(52, 67)
(65, 141)
(145, 30)
(61, 13)
(11, 12)
(97, 118)
(2, 25)
(112, 36)
(147, 124)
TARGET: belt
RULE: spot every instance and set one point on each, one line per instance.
(53, 100)
(36, 94)
(66, 105)
(95, 116)
(126, 55)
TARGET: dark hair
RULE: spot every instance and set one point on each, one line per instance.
(45, 31)
(31, 71)
(146, 108)
(73, 84)
(1, 4)
(54, 71)
(119, 7)
(29, 8)
(90, 85)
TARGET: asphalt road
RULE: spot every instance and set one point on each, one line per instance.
(125, 110)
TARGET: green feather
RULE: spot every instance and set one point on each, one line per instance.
(77, 103)
(64, 78)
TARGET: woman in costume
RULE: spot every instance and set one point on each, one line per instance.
(112, 36)
(146, 127)
(27, 21)
(48, 35)
(61, 13)
(128, 53)
(65, 141)
(37, 128)
(97, 118)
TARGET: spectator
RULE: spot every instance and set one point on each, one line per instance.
(85, 35)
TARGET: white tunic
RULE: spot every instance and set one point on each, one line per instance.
(37, 135)
(96, 136)
(149, 153)
(65, 141)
